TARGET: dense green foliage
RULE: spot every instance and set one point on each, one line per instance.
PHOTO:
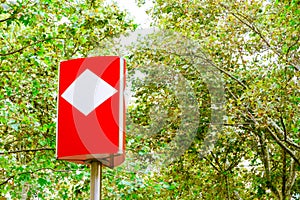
(35, 37)
(254, 45)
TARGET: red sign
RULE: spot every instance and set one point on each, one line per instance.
(91, 111)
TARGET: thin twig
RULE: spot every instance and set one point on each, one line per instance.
(27, 150)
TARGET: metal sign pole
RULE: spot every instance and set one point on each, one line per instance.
(96, 180)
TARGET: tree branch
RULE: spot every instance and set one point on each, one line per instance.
(292, 177)
(274, 136)
(290, 47)
(250, 25)
(282, 145)
(32, 172)
(286, 139)
(217, 161)
(266, 162)
(22, 48)
(210, 162)
(8, 71)
(210, 62)
(27, 150)
(3, 20)
(283, 176)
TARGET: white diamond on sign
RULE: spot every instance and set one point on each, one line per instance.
(87, 92)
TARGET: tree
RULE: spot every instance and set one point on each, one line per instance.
(256, 46)
(35, 37)
(253, 44)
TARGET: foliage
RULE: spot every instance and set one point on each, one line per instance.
(35, 37)
(253, 44)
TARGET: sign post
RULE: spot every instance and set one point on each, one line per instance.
(96, 180)
(91, 114)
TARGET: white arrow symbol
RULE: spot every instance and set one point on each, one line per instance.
(87, 92)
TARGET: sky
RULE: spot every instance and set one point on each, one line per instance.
(138, 13)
